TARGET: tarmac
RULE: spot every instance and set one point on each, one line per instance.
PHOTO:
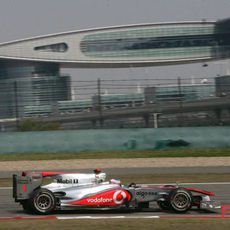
(122, 166)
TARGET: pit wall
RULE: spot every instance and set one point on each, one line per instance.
(114, 139)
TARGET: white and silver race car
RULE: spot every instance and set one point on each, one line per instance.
(69, 191)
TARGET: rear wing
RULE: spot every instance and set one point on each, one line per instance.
(24, 185)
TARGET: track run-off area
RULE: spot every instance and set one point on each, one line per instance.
(9, 210)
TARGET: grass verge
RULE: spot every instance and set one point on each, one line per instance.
(147, 224)
(215, 152)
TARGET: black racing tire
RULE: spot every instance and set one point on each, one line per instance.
(42, 202)
(26, 206)
(164, 205)
(180, 200)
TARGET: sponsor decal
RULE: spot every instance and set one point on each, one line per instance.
(119, 197)
(22, 180)
(24, 188)
(67, 181)
(100, 200)
(110, 198)
(144, 194)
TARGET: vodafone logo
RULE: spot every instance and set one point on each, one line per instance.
(100, 200)
(109, 198)
(119, 196)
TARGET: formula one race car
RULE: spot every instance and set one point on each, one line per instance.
(69, 191)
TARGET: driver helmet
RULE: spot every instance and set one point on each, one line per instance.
(97, 170)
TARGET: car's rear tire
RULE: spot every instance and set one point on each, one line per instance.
(42, 202)
(180, 200)
(26, 206)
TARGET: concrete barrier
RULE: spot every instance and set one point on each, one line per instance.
(114, 139)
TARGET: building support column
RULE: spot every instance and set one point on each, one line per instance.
(218, 113)
(94, 123)
(101, 122)
(155, 119)
(146, 119)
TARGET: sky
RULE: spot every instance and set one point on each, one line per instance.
(27, 18)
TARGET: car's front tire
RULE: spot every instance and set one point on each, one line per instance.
(180, 200)
(42, 202)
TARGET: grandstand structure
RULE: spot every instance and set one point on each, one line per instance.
(150, 95)
(30, 77)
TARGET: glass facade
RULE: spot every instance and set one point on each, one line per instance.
(192, 92)
(119, 100)
(74, 106)
(185, 92)
(222, 86)
(27, 87)
(159, 42)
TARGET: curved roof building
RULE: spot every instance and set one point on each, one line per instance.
(30, 68)
(134, 45)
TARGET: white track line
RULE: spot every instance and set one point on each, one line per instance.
(5, 188)
(105, 217)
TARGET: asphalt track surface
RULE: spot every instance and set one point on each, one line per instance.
(8, 208)
(146, 170)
